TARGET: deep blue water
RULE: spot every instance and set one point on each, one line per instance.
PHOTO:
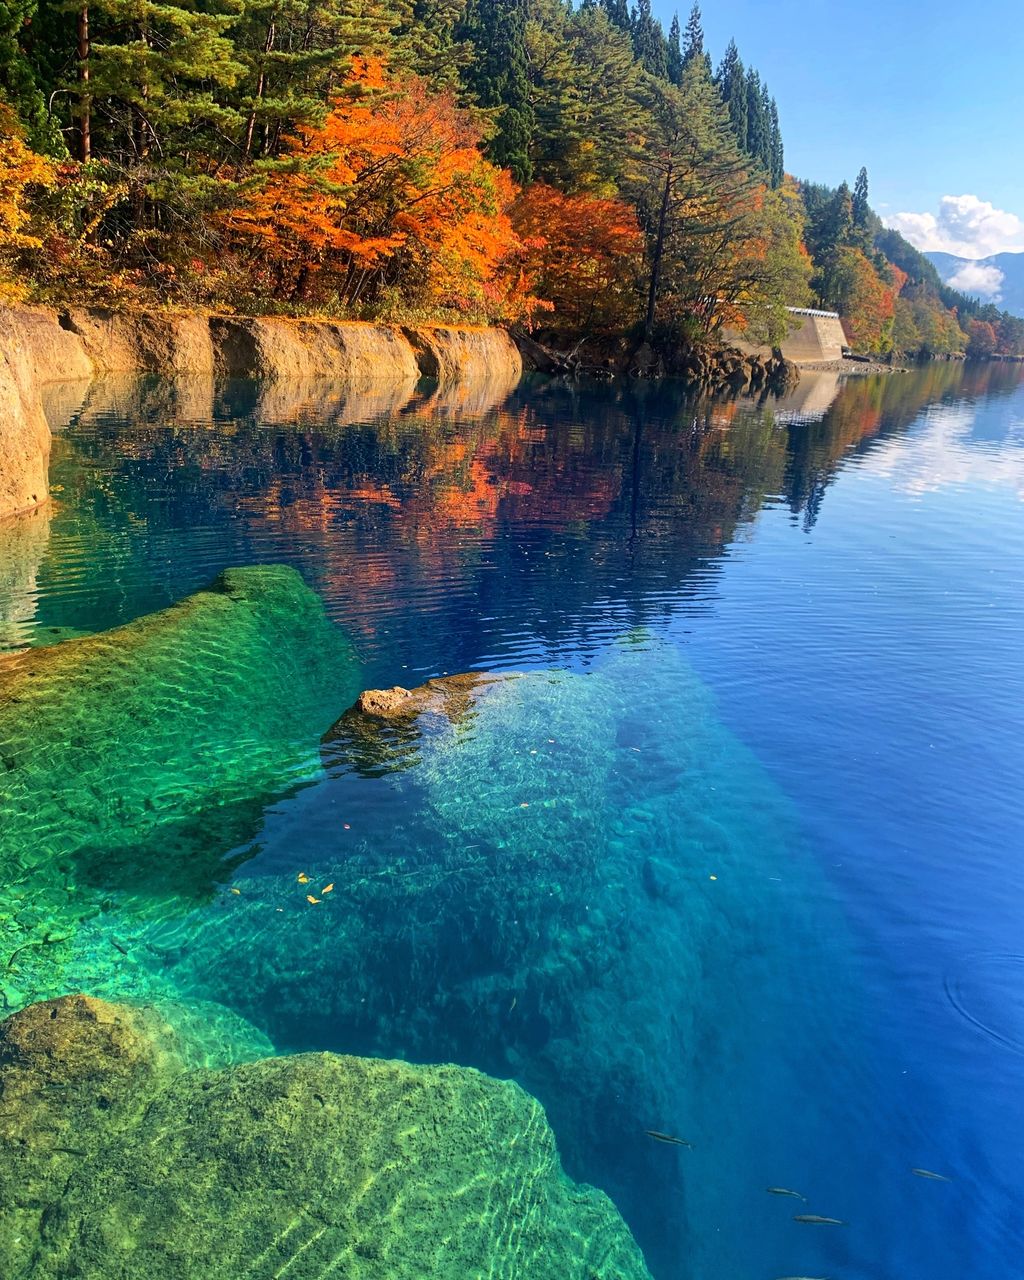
(741, 857)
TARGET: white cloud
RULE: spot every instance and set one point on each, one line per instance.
(943, 454)
(964, 225)
(982, 282)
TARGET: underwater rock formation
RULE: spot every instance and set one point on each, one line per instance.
(126, 754)
(577, 885)
(121, 1158)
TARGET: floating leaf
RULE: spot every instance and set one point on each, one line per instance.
(328, 888)
(302, 878)
(310, 898)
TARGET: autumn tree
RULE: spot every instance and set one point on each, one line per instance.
(22, 172)
(866, 301)
(390, 195)
(583, 256)
(982, 340)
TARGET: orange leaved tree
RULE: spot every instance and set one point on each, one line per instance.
(583, 256)
(388, 198)
(21, 173)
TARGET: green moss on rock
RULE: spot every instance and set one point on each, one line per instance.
(118, 1159)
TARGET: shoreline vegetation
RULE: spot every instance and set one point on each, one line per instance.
(577, 172)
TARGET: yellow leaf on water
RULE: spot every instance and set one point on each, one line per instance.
(328, 888)
(236, 891)
(310, 898)
(302, 878)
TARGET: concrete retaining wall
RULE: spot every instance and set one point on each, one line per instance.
(814, 336)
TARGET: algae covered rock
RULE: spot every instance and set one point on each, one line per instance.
(116, 1160)
(122, 752)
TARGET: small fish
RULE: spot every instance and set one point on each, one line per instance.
(328, 888)
(935, 1177)
(310, 898)
(819, 1221)
(667, 1137)
(302, 878)
(114, 942)
(785, 1191)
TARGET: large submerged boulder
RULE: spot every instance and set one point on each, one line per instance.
(133, 757)
(119, 1158)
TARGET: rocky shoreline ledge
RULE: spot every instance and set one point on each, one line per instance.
(41, 347)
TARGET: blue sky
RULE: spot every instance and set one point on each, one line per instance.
(929, 94)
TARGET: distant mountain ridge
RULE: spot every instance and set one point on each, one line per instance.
(1009, 265)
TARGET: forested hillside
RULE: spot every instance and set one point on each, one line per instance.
(494, 160)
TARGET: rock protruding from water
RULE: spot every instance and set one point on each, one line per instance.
(118, 1159)
(379, 733)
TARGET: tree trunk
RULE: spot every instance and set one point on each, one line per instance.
(84, 100)
(659, 248)
(250, 127)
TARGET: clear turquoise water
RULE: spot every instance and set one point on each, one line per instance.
(738, 856)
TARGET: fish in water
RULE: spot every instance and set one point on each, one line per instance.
(785, 1191)
(667, 1137)
(935, 1177)
(819, 1221)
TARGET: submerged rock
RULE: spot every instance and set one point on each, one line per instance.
(119, 1159)
(133, 761)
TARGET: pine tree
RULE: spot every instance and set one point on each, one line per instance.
(649, 41)
(675, 52)
(296, 55)
(732, 87)
(777, 165)
(693, 40)
(860, 205)
(149, 77)
(618, 13)
(583, 83)
(499, 79)
(19, 82)
(696, 197)
(757, 125)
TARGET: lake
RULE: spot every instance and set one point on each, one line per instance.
(731, 847)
